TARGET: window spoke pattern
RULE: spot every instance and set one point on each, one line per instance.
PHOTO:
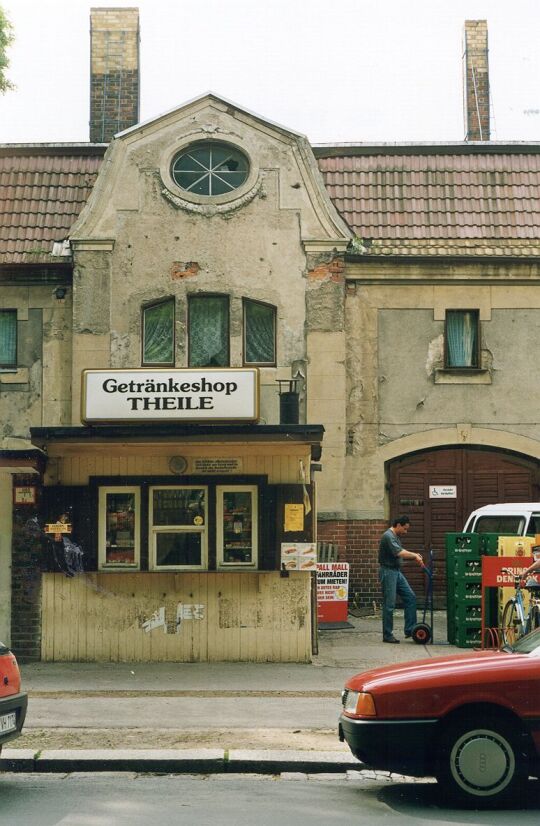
(210, 169)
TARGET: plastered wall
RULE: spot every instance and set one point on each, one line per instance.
(139, 240)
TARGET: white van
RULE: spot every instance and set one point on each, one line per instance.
(508, 519)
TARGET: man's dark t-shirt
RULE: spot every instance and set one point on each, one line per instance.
(389, 548)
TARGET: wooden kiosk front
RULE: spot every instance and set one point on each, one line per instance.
(181, 528)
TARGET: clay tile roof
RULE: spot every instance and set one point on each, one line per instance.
(461, 199)
(43, 188)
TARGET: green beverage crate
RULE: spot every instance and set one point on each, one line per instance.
(464, 553)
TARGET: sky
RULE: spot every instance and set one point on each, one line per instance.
(334, 70)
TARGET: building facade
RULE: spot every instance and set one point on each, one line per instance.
(385, 294)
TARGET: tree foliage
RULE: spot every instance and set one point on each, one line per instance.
(6, 38)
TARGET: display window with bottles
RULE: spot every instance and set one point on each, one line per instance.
(178, 527)
(119, 527)
(237, 526)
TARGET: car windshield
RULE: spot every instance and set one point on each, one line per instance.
(530, 644)
(503, 524)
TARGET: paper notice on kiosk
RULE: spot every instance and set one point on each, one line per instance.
(299, 556)
(294, 518)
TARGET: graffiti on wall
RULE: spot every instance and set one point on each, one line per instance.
(171, 625)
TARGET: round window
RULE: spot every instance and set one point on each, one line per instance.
(210, 169)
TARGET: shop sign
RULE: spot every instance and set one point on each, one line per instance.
(161, 395)
(443, 492)
(492, 574)
(332, 591)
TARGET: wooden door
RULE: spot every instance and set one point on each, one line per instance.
(480, 477)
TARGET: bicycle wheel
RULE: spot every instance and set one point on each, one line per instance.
(510, 623)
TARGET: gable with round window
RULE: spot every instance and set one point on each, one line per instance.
(210, 169)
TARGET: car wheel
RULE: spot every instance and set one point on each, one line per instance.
(480, 762)
(510, 623)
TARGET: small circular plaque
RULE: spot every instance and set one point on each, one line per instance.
(177, 464)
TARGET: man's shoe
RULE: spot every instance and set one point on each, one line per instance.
(390, 639)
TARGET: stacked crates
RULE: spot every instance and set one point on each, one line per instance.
(464, 553)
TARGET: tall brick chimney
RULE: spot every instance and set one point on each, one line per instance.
(114, 71)
(476, 81)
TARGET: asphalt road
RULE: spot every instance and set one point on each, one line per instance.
(294, 800)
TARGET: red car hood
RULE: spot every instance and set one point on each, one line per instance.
(428, 669)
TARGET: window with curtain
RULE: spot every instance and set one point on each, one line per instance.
(158, 333)
(462, 338)
(208, 330)
(259, 333)
(8, 338)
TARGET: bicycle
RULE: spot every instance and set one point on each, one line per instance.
(515, 621)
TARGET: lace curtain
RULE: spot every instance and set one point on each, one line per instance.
(8, 338)
(208, 331)
(159, 334)
(259, 333)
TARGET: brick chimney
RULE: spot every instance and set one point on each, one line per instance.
(476, 81)
(114, 71)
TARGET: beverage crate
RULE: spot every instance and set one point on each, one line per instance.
(463, 544)
(470, 637)
(468, 615)
(466, 570)
(467, 592)
(489, 544)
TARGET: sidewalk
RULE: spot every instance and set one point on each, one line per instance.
(202, 717)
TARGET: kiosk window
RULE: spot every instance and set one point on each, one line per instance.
(237, 526)
(178, 527)
(119, 535)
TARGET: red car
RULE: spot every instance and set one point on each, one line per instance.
(12, 702)
(472, 720)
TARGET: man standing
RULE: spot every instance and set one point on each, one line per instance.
(391, 554)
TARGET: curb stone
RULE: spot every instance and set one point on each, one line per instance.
(176, 761)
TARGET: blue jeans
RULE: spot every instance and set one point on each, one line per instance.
(393, 582)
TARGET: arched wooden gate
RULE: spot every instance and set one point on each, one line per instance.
(479, 477)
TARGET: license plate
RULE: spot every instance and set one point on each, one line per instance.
(8, 722)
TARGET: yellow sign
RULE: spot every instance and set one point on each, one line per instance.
(58, 527)
(294, 518)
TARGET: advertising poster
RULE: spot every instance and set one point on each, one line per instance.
(299, 556)
(332, 591)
